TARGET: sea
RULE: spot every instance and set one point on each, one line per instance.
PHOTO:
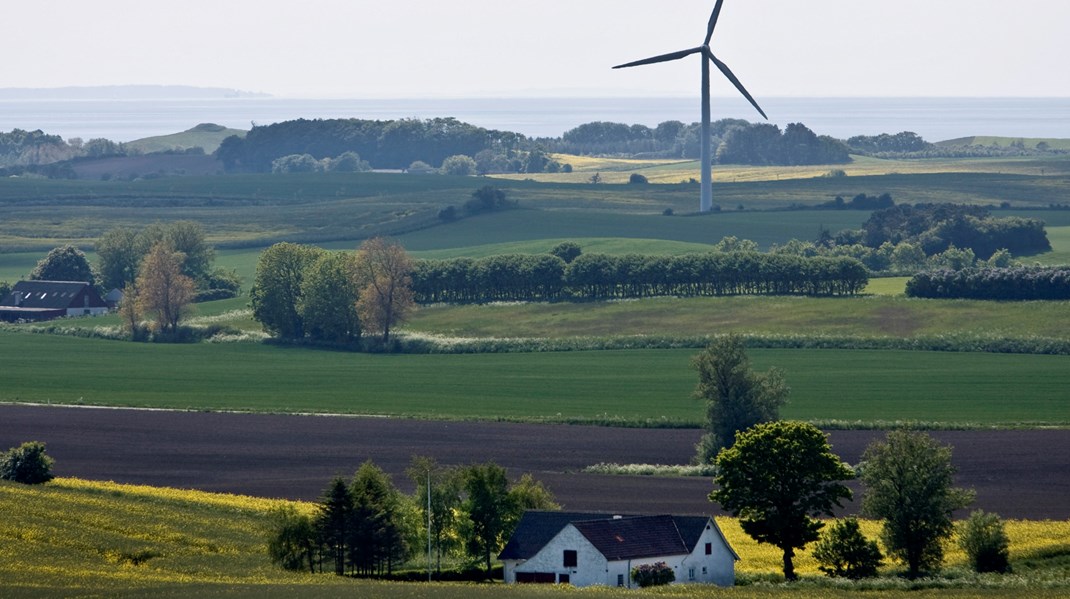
(935, 119)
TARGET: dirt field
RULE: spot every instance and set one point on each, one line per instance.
(1018, 474)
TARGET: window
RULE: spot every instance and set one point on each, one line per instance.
(620, 580)
(562, 579)
(709, 548)
(703, 570)
(690, 573)
(570, 558)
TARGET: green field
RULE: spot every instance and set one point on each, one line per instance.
(638, 387)
(75, 538)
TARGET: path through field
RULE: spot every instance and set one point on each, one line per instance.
(1018, 474)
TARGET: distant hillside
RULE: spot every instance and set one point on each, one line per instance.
(124, 92)
(206, 135)
(1028, 142)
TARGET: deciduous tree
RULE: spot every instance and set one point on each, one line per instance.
(328, 303)
(444, 497)
(277, 290)
(26, 464)
(162, 289)
(777, 477)
(736, 397)
(383, 274)
(65, 263)
(489, 507)
(908, 484)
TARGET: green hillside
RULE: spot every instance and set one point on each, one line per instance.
(207, 136)
(991, 140)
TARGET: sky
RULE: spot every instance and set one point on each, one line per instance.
(503, 48)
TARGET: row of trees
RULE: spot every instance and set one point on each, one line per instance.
(304, 291)
(1017, 283)
(599, 276)
(367, 527)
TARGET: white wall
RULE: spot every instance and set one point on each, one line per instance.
(590, 564)
(720, 565)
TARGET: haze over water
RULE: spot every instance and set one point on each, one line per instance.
(935, 119)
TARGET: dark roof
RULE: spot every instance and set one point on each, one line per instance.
(615, 536)
(634, 537)
(537, 528)
(52, 295)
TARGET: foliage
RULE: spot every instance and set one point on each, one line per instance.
(26, 464)
(65, 263)
(328, 305)
(120, 251)
(296, 163)
(907, 479)
(277, 292)
(459, 166)
(488, 199)
(382, 271)
(637, 179)
(348, 162)
(764, 144)
(490, 508)
(334, 521)
(162, 289)
(983, 537)
(598, 276)
(937, 227)
(986, 283)
(652, 575)
(567, 251)
(777, 478)
(844, 552)
(443, 498)
(377, 540)
(904, 142)
(292, 539)
(736, 397)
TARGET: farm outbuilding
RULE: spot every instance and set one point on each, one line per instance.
(45, 300)
(584, 549)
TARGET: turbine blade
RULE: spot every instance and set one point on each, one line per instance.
(713, 21)
(662, 58)
(735, 81)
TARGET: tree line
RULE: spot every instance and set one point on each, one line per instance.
(1017, 283)
(600, 276)
(367, 527)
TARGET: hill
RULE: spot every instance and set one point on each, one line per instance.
(989, 140)
(206, 136)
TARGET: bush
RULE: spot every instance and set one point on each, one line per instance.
(844, 552)
(985, 542)
(650, 575)
(26, 464)
(637, 179)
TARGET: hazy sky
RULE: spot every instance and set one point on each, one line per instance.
(488, 48)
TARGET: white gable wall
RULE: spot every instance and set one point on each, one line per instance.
(590, 563)
(717, 568)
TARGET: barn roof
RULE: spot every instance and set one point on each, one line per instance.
(51, 295)
(537, 528)
(634, 537)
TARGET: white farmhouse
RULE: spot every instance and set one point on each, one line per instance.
(601, 549)
(45, 300)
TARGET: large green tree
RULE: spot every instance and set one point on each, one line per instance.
(908, 481)
(777, 478)
(162, 289)
(277, 290)
(438, 493)
(118, 257)
(377, 539)
(328, 304)
(736, 396)
(334, 521)
(65, 263)
(489, 508)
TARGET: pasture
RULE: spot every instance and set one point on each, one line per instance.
(630, 388)
(79, 538)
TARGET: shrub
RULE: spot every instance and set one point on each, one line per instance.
(844, 552)
(26, 464)
(637, 179)
(650, 575)
(985, 542)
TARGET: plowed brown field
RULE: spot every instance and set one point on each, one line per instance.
(1018, 474)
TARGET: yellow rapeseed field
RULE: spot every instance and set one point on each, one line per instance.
(73, 537)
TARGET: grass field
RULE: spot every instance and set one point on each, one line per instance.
(638, 387)
(78, 538)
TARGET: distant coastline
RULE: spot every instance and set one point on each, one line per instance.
(125, 92)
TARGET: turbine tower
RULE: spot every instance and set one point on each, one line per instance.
(706, 200)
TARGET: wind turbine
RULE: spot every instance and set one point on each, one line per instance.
(706, 200)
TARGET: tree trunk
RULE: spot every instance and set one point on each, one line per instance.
(789, 567)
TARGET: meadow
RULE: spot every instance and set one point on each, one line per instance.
(857, 388)
(78, 538)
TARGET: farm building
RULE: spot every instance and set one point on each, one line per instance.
(45, 300)
(584, 549)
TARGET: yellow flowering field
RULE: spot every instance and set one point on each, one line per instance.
(79, 538)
